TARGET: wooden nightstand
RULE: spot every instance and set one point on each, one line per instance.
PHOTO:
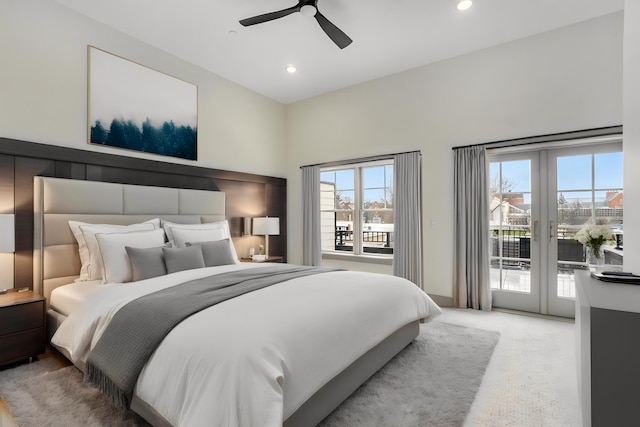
(22, 326)
(270, 259)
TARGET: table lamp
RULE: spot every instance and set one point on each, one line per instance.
(266, 226)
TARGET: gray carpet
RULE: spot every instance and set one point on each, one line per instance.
(431, 383)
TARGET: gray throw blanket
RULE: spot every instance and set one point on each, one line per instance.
(139, 327)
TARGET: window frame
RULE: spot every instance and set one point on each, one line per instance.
(358, 210)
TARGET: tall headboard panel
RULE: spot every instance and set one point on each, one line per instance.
(57, 201)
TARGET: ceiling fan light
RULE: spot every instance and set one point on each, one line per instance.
(464, 4)
(308, 10)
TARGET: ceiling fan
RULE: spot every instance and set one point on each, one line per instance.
(307, 8)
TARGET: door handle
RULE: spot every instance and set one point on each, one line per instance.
(552, 230)
(535, 230)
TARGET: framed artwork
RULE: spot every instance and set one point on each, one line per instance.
(137, 108)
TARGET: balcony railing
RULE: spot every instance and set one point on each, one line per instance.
(380, 242)
(515, 242)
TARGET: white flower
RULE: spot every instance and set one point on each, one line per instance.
(593, 235)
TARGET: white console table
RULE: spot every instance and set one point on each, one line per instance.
(608, 351)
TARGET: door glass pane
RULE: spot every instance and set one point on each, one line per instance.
(609, 196)
(574, 209)
(608, 170)
(576, 172)
(510, 225)
(589, 191)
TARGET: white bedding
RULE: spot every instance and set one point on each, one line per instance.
(66, 299)
(253, 360)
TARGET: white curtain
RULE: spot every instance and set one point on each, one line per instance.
(472, 287)
(311, 244)
(407, 240)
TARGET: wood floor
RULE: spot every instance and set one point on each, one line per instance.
(6, 420)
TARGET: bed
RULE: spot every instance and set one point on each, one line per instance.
(283, 354)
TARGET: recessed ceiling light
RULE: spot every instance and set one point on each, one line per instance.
(464, 4)
(291, 68)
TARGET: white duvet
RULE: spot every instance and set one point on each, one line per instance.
(253, 360)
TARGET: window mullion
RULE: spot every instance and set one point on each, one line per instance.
(357, 220)
(593, 187)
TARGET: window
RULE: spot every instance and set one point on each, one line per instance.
(356, 204)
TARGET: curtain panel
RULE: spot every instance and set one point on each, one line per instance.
(407, 241)
(472, 285)
(311, 243)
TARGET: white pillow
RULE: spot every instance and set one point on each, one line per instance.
(170, 226)
(88, 246)
(116, 266)
(181, 234)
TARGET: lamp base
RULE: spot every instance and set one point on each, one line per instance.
(266, 245)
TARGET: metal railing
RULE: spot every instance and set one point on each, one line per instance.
(382, 240)
(511, 248)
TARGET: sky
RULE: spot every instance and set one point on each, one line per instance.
(375, 177)
(574, 176)
(574, 172)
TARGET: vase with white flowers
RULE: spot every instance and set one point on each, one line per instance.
(593, 236)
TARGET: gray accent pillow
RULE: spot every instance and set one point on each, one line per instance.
(178, 259)
(146, 262)
(215, 253)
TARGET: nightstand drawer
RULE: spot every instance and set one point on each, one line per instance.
(22, 345)
(21, 317)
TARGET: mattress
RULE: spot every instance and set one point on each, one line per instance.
(67, 298)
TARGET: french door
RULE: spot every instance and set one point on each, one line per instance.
(539, 200)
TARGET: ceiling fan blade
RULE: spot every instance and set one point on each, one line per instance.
(270, 16)
(334, 33)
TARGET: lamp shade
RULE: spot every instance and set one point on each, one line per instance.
(7, 234)
(266, 226)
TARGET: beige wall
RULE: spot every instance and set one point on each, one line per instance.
(632, 135)
(43, 90)
(563, 80)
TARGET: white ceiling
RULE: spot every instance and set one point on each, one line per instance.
(389, 36)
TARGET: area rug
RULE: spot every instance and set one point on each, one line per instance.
(430, 383)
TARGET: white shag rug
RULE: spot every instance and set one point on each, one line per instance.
(432, 382)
